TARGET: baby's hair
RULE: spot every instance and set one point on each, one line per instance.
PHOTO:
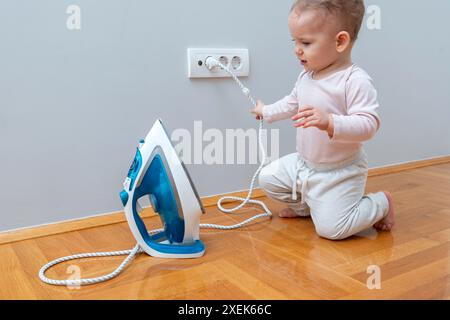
(349, 12)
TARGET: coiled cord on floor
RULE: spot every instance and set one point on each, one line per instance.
(211, 63)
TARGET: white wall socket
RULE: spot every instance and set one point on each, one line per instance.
(237, 61)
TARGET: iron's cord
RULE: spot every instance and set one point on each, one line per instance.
(80, 282)
(210, 63)
(131, 254)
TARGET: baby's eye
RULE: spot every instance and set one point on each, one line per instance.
(305, 43)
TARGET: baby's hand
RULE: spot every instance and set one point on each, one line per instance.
(312, 117)
(258, 110)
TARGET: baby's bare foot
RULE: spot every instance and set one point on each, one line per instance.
(388, 222)
(288, 213)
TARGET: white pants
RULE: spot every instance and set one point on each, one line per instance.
(333, 195)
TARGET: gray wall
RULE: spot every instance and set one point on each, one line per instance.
(73, 104)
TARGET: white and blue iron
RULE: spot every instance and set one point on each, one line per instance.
(158, 172)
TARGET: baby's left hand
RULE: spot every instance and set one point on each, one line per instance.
(313, 117)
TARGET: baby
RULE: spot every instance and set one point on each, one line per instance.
(334, 106)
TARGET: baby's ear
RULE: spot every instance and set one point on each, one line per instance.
(343, 40)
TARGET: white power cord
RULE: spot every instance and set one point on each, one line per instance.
(211, 64)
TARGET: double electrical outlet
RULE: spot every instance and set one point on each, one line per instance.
(237, 60)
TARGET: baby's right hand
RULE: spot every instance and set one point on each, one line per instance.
(258, 110)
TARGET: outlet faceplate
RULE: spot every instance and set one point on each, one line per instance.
(236, 59)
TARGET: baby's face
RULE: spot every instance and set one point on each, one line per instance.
(315, 39)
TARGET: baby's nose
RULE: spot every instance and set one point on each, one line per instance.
(298, 51)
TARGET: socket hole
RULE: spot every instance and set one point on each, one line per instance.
(200, 63)
(223, 60)
(236, 63)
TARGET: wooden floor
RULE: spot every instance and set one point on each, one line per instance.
(273, 259)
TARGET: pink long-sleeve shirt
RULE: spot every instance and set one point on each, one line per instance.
(350, 96)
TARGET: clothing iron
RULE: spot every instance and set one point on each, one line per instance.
(158, 173)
